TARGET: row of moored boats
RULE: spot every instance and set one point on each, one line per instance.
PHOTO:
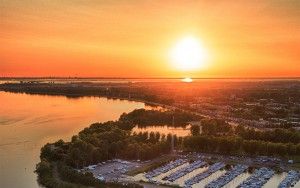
(257, 180)
(227, 177)
(185, 170)
(290, 180)
(165, 168)
(196, 179)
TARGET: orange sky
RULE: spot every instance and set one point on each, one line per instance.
(119, 38)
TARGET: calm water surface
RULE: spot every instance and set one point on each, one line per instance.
(27, 122)
(179, 131)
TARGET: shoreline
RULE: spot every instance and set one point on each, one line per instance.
(60, 94)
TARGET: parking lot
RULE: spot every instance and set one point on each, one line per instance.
(112, 170)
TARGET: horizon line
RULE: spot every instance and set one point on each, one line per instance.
(143, 78)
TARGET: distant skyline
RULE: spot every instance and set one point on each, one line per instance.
(119, 38)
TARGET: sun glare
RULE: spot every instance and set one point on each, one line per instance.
(188, 54)
(187, 80)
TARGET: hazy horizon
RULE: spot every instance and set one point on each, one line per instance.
(194, 78)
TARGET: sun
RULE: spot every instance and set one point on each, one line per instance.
(188, 54)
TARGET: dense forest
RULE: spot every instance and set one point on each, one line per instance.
(238, 145)
(143, 118)
(218, 137)
(274, 135)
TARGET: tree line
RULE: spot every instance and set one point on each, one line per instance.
(142, 117)
(275, 135)
(237, 145)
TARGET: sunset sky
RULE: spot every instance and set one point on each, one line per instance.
(132, 38)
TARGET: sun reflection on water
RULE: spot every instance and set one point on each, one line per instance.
(187, 80)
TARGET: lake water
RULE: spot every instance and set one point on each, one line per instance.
(179, 131)
(27, 122)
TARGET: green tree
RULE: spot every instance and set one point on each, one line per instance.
(195, 130)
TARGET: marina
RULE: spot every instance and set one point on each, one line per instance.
(227, 177)
(200, 174)
(213, 168)
(183, 171)
(291, 179)
(165, 168)
(258, 179)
